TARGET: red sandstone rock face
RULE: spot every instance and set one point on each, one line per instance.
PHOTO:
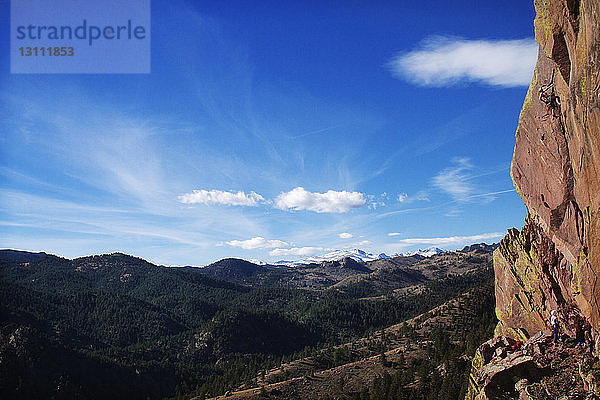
(553, 263)
(556, 163)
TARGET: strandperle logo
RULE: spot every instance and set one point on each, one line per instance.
(80, 36)
(85, 31)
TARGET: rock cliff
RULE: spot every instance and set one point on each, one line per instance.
(553, 263)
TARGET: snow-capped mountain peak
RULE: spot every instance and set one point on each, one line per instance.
(428, 252)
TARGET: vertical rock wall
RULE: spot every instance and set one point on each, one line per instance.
(554, 262)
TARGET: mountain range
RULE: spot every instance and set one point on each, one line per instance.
(357, 255)
(354, 271)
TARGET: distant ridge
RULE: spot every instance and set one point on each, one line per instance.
(481, 246)
(19, 255)
(232, 269)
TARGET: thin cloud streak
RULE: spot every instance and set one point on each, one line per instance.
(450, 240)
(317, 131)
(438, 206)
(492, 193)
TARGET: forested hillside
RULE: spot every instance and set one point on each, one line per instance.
(117, 326)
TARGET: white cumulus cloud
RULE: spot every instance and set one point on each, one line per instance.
(257, 243)
(345, 235)
(450, 240)
(444, 61)
(328, 202)
(210, 197)
(297, 251)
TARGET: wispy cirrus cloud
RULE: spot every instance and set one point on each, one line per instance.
(458, 182)
(297, 251)
(449, 240)
(455, 180)
(328, 202)
(445, 61)
(210, 197)
(255, 243)
(345, 235)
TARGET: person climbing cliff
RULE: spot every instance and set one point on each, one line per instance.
(548, 96)
(554, 326)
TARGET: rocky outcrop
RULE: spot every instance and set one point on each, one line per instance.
(500, 367)
(532, 279)
(483, 247)
(534, 370)
(553, 263)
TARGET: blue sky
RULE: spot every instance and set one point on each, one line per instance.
(272, 131)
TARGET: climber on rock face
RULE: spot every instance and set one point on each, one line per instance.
(554, 326)
(549, 98)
